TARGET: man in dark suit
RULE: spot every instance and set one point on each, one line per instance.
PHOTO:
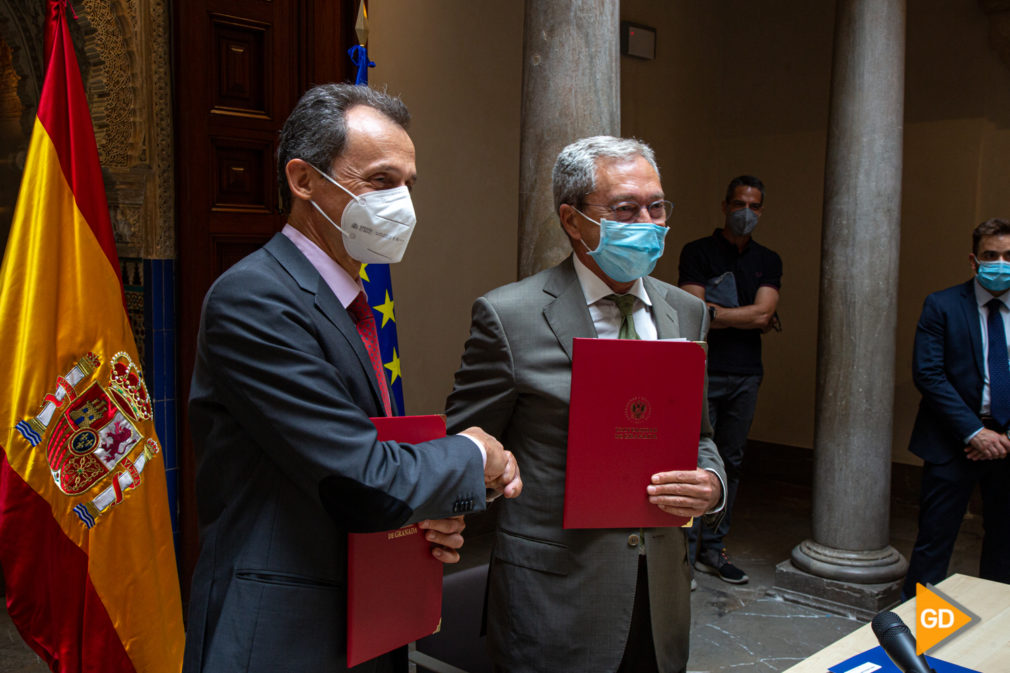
(584, 600)
(961, 368)
(283, 388)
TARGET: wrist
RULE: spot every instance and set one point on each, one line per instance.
(480, 446)
(712, 311)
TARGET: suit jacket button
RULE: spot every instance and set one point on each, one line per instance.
(633, 540)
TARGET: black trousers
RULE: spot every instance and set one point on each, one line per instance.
(640, 650)
(946, 490)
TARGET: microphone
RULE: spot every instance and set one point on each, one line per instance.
(898, 643)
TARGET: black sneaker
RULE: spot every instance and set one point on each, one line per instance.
(717, 563)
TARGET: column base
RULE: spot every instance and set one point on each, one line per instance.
(856, 584)
(872, 566)
(856, 601)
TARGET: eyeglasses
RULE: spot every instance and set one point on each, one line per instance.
(735, 205)
(627, 211)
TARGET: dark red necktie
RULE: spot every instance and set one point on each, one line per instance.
(365, 322)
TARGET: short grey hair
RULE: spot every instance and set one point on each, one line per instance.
(316, 130)
(574, 174)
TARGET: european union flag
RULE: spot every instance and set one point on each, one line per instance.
(359, 57)
(375, 277)
(379, 290)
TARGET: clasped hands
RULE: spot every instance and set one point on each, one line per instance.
(501, 477)
(988, 445)
(501, 471)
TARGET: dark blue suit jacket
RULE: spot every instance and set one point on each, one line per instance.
(288, 464)
(948, 370)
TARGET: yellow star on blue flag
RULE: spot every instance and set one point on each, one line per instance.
(386, 309)
(376, 279)
(393, 366)
(379, 290)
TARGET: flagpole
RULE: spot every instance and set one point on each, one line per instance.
(376, 277)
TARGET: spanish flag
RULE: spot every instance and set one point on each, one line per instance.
(85, 535)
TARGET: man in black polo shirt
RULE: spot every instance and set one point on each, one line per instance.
(739, 279)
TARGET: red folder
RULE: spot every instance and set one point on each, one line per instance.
(394, 584)
(635, 411)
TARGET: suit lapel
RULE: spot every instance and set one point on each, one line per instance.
(970, 307)
(328, 304)
(667, 324)
(567, 314)
(302, 271)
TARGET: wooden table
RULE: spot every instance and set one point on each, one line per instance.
(983, 646)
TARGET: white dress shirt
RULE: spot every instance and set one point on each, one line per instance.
(983, 297)
(605, 313)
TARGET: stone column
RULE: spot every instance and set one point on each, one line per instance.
(856, 330)
(571, 89)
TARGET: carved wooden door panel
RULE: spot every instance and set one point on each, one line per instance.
(239, 67)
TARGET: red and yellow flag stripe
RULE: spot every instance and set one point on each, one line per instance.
(85, 534)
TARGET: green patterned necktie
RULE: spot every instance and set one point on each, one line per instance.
(626, 304)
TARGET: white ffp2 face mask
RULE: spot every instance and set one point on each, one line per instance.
(376, 225)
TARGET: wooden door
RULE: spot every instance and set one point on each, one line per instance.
(239, 67)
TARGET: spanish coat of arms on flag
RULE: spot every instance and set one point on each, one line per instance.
(86, 544)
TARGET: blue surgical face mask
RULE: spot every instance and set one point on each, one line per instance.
(994, 276)
(627, 250)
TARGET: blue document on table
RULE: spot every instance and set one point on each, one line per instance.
(877, 661)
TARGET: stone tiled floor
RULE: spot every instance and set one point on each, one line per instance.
(744, 628)
(15, 656)
(735, 629)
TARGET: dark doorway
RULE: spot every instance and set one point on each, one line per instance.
(239, 67)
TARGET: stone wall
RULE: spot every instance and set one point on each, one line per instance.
(123, 49)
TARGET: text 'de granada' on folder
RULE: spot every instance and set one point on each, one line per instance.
(394, 584)
(635, 411)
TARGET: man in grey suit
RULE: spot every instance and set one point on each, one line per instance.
(283, 388)
(583, 600)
